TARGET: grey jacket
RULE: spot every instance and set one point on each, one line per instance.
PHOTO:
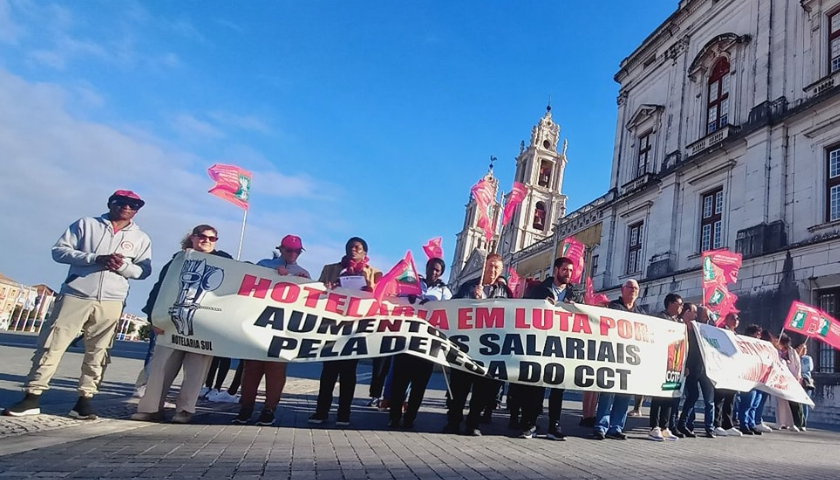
(89, 237)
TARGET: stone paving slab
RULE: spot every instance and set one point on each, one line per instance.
(212, 448)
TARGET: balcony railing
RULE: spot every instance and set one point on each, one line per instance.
(709, 140)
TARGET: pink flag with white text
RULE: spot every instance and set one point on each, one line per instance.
(574, 251)
(485, 197)
(516, 196)
(434, 248)
(232, 184)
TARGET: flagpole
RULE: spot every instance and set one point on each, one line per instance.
(242, 234)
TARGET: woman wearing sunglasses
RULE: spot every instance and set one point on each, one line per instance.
(166, 362)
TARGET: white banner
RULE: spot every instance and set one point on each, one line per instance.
(233, 309)
(737, 362)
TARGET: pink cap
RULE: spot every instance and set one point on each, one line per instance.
(292, 242)
(127, 194)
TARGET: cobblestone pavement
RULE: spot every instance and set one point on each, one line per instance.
(51, 446)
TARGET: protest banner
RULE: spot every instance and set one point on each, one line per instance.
(218, 306)
(737, 362)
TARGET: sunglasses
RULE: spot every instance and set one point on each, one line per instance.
(210, 238)
(127, 203)
(290, 250)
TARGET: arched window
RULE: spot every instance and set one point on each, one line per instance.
(544, 179)
(717, 110)
(539, 216)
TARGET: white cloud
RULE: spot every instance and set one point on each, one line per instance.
(242, 122)
(188, 125)
(10, 32)
(57, 168)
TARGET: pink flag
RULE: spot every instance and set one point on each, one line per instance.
(813, 322)
(232, 184)
(592, 298)
(516, 196)
(720, 268)
(728, 263)
(575, 251)
(434, 249)
(485, 196)
(516, 284)
(402, 280)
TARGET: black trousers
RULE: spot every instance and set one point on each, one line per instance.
(219, 368)
(379, 373)
(484, 392)
(343, 371)
(414, 371)
(532, 404)
(660, 412)
(723, 408)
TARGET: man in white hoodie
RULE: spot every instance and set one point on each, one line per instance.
(103, 253)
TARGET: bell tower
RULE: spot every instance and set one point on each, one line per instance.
(540, 166)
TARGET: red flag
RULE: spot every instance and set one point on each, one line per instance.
(575, 251)
(434, 248)
(516, 284)
(720, 268)
(813, 322)
(485, 196)
(592, 298)
(402, 280)
(232, 184)
(516, 196)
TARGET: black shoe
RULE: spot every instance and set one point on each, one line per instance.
(83, 410)
(677, 433)
(753, 432)
(599, 435)
(747, 431)
(266, 418)
(616, 435)
(685, 431)
(342, 421)
(554, 432)
(587, 422)
(317, 418)
(408, 425)
(472, 432)
(30, 405)
(528, 433)
(710, 434)
(244, 416)
(394, 423)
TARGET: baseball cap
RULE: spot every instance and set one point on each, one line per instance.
(292, 242)
(126, 194)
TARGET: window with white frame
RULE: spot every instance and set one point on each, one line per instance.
(635, 233)
(832, 184)
(717, 108)
(834, 42)
(645, 156)
(711, 220)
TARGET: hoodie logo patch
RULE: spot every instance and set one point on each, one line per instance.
(126, 245)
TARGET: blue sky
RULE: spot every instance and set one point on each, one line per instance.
(357, 118)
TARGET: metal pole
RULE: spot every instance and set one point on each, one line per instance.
(242, 234)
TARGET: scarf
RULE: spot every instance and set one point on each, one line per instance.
(353, 267)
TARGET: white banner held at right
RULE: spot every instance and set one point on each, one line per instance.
(737, 362)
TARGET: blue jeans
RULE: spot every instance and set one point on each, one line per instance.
(611, 413)
(748, 403)
(694, 385)
(759, 412)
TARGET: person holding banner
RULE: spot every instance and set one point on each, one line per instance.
(611, 414)
(788, 413)
(167, 362)
(748, 402)
(662, 419)
(725, 399)
(103, 254)
(695, 372)
(557, 288)
(484, 390)
(253, 371)
(410, 369)
(352, 272)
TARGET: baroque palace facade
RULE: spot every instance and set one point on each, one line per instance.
(728, 136)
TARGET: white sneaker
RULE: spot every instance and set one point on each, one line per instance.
(225, 397)
(794, 428)
(373, 402)
(668, 436)
(804, 429)
(656, 434)
(734, 432)
(763, 428)
(721, 432)
(140, 391)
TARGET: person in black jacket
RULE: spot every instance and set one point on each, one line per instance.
(556, 289)
(484, 389)
(166, 362)
(696, 381)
